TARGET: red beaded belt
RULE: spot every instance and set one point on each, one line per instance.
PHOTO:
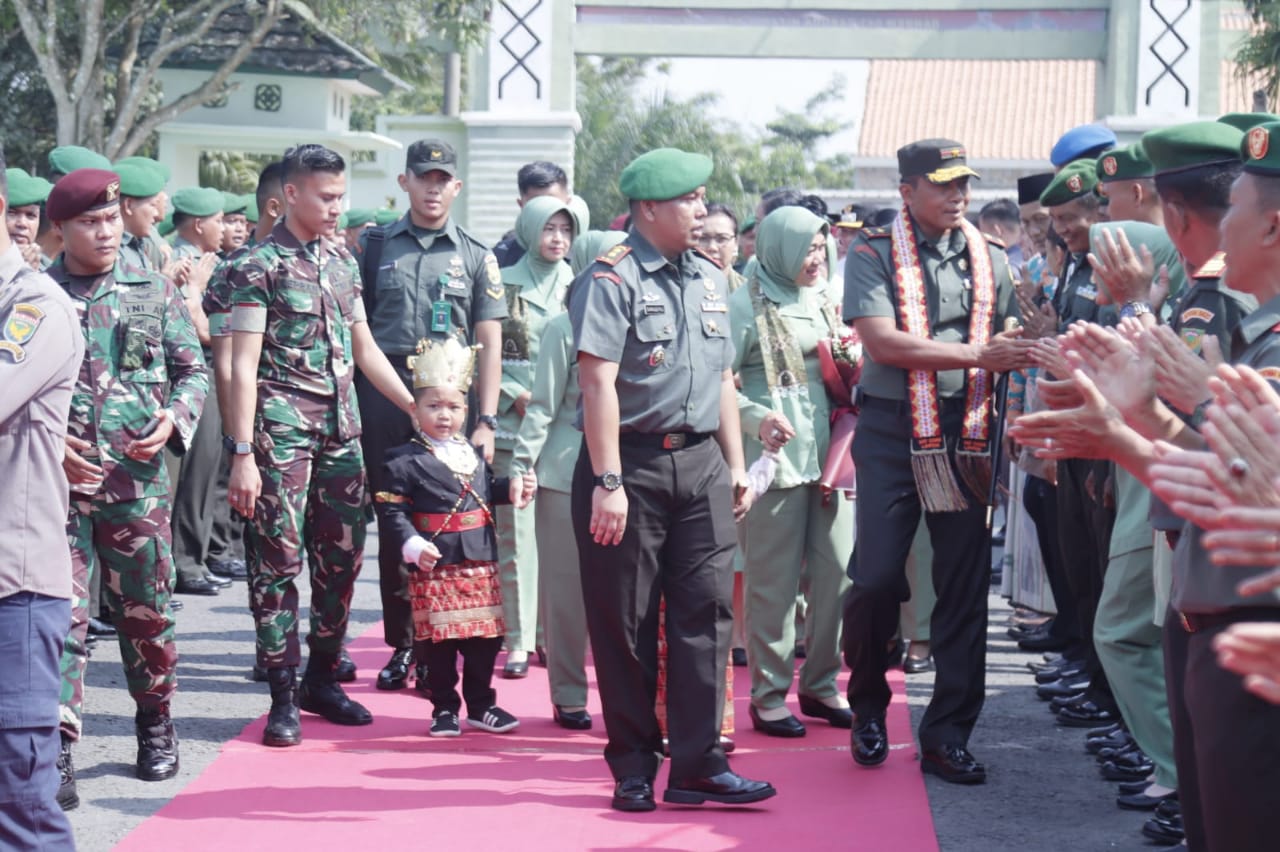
(449, 521)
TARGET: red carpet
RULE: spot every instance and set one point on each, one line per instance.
(389, 786)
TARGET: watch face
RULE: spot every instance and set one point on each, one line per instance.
(610, 481)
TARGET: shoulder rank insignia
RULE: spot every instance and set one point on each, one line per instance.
(876, 232)
(389, 497)
(1213, 268)
(19, 327)
(702, 254)
(607, 275)
(615, 254)
(1196, 314)
(995, 241)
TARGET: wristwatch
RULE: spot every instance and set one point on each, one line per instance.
(490, 420)
(608, 480)
(239, 448)
(1133, 310)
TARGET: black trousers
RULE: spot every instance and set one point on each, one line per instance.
(1084, 535)
(888, 514)
(1040, 499)
(478, 656)
(195, 493)
(384, 427)
(678, 545)
(1226, 741)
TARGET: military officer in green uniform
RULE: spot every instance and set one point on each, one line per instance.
(141, 387)
(22, 216)
(657, 485)
(197, 221)
(424, 277)
(298, 334)
(1126, 179)
(928, 297)
(141, 208)
(235, 224)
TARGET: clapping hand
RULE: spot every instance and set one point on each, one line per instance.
(1182, 377)
(1252, 650)
(1125, 274)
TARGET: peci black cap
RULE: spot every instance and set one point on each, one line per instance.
(1031, 187)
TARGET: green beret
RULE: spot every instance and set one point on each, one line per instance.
(747, 224)
(1127, 163)
(1077, 179)
(342, 222)
(1261, 150)
(251, 207)
(165, 227)
(386, 217)
(1188, 146)
(197, 202)
(139, 179)
(159, 167)
(65, 159)
(1244, 121)
(663, 174)
(359, 216)
(25, 189)
(232, 203)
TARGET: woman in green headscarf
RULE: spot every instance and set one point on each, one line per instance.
(535, 285)
(548, 444)
(778, 318)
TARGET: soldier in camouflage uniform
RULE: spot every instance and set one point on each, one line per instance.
(141, 386)
(298, 333)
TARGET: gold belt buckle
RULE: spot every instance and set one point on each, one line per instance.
(1186, 623)
(673, 441)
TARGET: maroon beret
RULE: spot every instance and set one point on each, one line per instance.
(81, 191)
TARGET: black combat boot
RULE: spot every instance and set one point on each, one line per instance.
(284, 728)
(68, 798)
(321, 694)
(157, 744)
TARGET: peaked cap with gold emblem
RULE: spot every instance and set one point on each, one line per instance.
(441, 363)
(431, 155)
(81, 191)
(937, 160)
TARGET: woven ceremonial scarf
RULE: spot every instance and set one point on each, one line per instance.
(784, 370)
(935, 481)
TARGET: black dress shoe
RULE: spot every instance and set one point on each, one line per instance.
(1104, 731)
(233, 568)
(1116, 772)
(283, 728)
(1043, 642)
(727, 745)
(739, 656)
(1056, 705)
(869, 741)
(396, 671)
(195, 586)
(98, 627)
(953, 764)
(1095, 745)
(346, 671)
(1117, 753)
(1061, 688)
(327, 700)
(157, 744)
(838, 717)
(1143, 802)
(726, 788)
(573, 720)
(914, 665)
(788, 726)
(1165, 827)
(1085, 714)
(420, 680)
(633, 793)
(1067, 670)
(515, 671)
(220, 582)
(1128, 788)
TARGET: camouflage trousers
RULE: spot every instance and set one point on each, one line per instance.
(312, 501)
(129, 542)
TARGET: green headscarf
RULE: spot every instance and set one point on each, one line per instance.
(531, 277)
(1157, 241)
(782, 242)
(580, 213)
(591, 245)
(533, 218)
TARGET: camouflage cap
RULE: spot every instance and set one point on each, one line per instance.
(1077, 179)
(25, 189)
(66, 159)
(1127, 163)
(1191, 145)
(197, 201)
(663, 174)
(81, 191)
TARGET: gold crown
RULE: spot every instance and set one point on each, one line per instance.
(443, 362)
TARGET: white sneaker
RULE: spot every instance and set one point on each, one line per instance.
(495, 720)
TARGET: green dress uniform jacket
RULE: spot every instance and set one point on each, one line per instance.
(548, 442)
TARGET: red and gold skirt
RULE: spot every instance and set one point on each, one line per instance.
(660, 706)
(460, 601)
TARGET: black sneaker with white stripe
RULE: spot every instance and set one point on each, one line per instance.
(445, 724)
(495, 720)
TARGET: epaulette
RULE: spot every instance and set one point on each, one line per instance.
(615, 254)
(873, 233)
(995, 241)
(702, 254)
(1213, 267)
(607, 275)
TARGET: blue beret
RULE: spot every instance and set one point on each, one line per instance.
(1079, 141)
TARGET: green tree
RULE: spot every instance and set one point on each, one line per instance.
(1259, 52)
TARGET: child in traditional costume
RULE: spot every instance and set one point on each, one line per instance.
(439, 506)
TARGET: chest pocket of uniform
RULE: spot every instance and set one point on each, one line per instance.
(295, 318)
(715, 336)
(655, 330)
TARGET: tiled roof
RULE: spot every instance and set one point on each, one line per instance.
(1000, 109)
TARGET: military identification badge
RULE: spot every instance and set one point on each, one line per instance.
(657, 357)
(19, 327)
(441, 313)
(491, 269)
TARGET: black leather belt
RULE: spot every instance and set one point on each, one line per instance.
(663, 441)
(1194, 622)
